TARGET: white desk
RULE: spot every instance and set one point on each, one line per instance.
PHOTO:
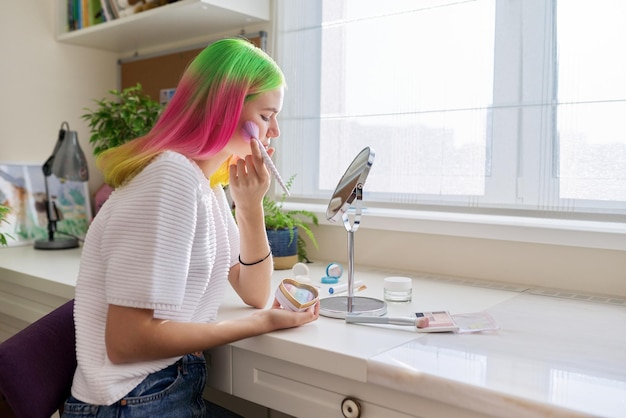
(551, 357)
(33, 282)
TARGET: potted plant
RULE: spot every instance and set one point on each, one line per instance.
(288, 247)
(4, 210)
(129, 114)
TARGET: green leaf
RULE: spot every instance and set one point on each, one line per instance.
(4, 211)
(276, 217)
(129, 115)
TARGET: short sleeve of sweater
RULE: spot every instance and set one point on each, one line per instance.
(149, 235)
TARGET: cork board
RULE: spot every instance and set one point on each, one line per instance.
(160, 72)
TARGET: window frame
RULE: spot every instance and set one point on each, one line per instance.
(538, 112)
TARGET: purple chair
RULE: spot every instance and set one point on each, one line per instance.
(37, 366)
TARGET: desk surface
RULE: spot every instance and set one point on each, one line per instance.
(51, 271)
(550, 357)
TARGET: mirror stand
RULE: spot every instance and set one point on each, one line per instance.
(340, 306)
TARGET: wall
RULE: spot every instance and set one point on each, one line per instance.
(45, 83)
(586, 270)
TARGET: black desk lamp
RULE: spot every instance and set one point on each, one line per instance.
(67, 162)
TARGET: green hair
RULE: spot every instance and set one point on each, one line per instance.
(204, 112)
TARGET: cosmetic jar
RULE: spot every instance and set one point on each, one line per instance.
(296, 296)
(398, 289)
(301, 272)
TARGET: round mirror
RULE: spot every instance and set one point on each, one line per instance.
(352, 180)
(349, 188)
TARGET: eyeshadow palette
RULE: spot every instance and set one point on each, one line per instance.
(296, 296)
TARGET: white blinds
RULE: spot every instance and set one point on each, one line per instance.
(481, 104)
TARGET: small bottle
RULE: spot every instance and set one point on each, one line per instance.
(398, 289)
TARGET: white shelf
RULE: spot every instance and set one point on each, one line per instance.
(175, 22)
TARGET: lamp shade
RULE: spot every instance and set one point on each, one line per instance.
(69, 160)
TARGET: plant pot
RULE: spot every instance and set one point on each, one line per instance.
(284, 247)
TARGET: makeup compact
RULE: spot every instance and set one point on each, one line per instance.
(333, 273)
(296, 296)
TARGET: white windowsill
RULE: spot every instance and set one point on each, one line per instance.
(577, 233)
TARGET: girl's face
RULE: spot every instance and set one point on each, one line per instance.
(263, 111)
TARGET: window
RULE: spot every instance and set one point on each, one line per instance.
(478, 105)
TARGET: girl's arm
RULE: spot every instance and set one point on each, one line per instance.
(249, 182)
(134, 335)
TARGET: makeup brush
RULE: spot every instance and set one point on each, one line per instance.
(251, 130)
(401, 320)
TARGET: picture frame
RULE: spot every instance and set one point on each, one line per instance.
(23, 191)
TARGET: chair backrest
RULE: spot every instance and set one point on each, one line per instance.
(37, 365)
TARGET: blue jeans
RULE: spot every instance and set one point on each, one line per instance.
(175, 392)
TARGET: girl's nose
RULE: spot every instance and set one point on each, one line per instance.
(273, 131)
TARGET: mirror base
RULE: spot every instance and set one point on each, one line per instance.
(337, 307)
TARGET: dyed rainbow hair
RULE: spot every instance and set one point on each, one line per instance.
(204, 112)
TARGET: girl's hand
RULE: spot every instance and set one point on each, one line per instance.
(278, 318)
(249, 178)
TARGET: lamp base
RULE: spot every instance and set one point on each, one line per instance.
(57, 244)
(337, 307)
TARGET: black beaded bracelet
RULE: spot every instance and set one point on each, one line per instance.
(256, 262)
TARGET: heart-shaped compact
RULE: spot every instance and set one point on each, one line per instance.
(296, 296)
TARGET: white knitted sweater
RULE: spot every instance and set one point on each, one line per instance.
(165, 241)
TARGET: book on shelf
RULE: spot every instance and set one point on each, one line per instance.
(71, 23)
(95, 13)
(84, 13)
(107, 13)
(74, 19)
(115, 11)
